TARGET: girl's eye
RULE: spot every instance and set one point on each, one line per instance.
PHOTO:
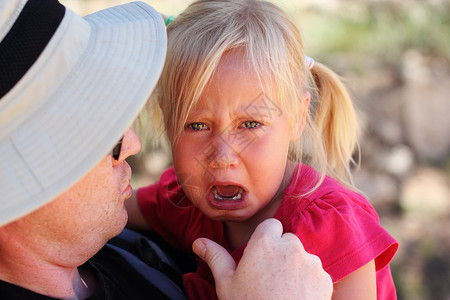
(198, 126)
(251, 124)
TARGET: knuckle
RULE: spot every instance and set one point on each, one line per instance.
(293, 243)
(265, 242)
(289, 237)
(315, 259)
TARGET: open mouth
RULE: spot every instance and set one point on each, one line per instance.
(227, 192)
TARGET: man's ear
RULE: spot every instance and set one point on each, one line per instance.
(303, 111)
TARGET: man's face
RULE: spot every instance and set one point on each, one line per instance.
(88, 214)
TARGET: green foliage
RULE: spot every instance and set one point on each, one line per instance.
(386, 30)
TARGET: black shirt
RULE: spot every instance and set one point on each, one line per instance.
(116, 280)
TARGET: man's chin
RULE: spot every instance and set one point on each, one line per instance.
(119, 225)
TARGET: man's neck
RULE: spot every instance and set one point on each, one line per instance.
(20, 265)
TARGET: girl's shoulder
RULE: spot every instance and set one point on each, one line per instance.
(337, 218)
(329, 194)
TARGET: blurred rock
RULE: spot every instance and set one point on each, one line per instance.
(381, 189)
(427, 193)
(426, 105)
(399, 160)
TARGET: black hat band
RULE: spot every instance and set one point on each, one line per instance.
(26, 40)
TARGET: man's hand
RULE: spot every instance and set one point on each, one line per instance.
(274, 266)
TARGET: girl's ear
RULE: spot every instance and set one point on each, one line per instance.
(303, 110)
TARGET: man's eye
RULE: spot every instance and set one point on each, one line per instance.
(198, 126)
(251, 124)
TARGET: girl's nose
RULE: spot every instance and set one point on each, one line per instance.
(221, 155)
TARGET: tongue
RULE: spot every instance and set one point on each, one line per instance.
(227, 191)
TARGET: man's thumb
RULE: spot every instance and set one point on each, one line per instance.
(218, 259)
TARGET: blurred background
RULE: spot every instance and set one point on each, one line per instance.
(395, 57)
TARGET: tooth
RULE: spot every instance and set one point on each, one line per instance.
(218, 197)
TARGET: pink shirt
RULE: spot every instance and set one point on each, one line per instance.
(334, 223)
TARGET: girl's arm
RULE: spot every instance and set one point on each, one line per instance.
(136, 220)
(361, 284)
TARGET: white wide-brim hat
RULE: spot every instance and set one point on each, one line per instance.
(70, 87)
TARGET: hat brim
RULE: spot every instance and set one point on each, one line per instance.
(64, 137)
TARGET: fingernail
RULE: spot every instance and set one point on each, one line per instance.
(200, 248)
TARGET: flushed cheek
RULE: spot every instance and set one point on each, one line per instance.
(262, 158)
(265, 171)
(273, 139)
(191, 184)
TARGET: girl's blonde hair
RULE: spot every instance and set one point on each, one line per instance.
(261, 32)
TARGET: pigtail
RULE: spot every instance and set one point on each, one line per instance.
(335, 119)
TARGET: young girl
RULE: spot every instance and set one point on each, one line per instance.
(258, 130)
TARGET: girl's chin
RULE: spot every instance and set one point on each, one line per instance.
(227, 216)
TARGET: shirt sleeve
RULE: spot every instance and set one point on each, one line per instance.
(343, 229)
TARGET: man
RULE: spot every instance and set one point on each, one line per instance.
(70, 87)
